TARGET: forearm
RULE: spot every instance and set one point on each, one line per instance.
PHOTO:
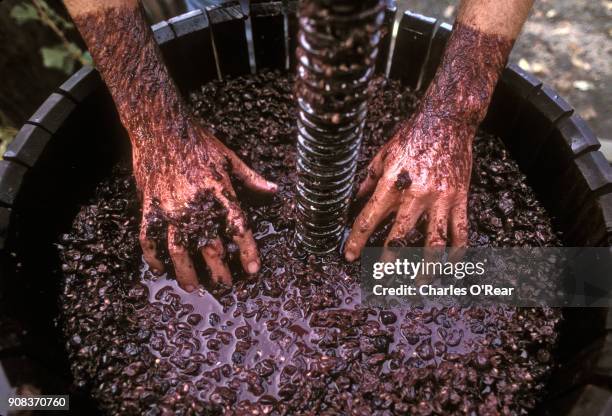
(477, 51)
(495, 17)
(129, 60)
(181, 171)
(425, 168)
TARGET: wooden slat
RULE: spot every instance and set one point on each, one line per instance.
(586, 178)
(293, 25)
(534, 125)
(386, 35)
(229, 36)
(573, 137)
(11, 179)
(592, 226)
(28, 145)
(553, 166)
(268, 23)
(436, 50)
(53, 112)
(5, 217)
(411, 46)
(189, 55)
(508, 100)
(81, 84)
(162, 32)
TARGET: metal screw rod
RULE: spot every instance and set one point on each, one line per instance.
(337, 49)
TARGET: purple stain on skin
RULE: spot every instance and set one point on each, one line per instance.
(403, 180)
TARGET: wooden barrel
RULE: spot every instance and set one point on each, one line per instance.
(75, 137)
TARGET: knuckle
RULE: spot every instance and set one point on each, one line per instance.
(462, 230)
(416, 191)
(248, 250)
(402, 219)
(237, 217)
(237, 227)
(147, 245)
(391, 208)
(142, 238)
(437, 237)
(214, 251)
(176, 250)
(438, 242)
(441, 192)
(458, 208)
(461, 199)
(212, 254)
(389, 177)
(363, 225)
(436, 197)
(144, 226)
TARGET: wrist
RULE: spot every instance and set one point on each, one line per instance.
(466, 78)
(128, 59)
(463, 109)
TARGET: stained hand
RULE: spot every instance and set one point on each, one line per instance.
(424, 169)
(179, 178)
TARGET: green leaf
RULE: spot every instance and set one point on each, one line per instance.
(58, 19)
(24, 12)
(74, 49)
(6, 136)
(87, 58)
(57, 57)
(83, 57)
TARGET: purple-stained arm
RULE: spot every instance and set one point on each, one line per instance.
(182, 171)
(425, 168)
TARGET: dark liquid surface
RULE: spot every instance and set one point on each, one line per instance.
(294, 339)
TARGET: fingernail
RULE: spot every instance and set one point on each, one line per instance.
(190, 288)
(350, 256)
(253, 267)
(157, 272)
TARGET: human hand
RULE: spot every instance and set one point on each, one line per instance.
(424, 169)
(181, 170)
(185, 184)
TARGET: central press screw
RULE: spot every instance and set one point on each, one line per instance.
(337, 50)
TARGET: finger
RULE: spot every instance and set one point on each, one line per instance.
(183, 266)
(459, 225)
(437, 226)
(377, 208)
(149, 246)
(407, 217)
(250, 178)
(435, 240)
(375, 170)
(214, 256)
(458, 231)
(240, 232)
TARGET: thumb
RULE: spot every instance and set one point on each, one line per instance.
(249, 177)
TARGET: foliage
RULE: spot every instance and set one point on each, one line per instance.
(23, 13)
(7, 132)
(63, 55)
